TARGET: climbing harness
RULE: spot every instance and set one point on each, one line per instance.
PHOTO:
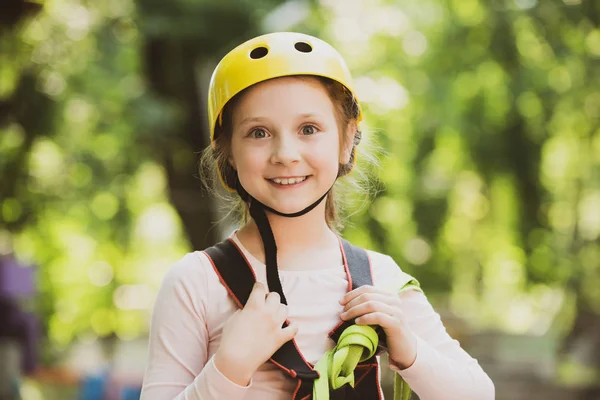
(350, 370)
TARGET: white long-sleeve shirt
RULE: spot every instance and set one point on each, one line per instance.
(192, 307)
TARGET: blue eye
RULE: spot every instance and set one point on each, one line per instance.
(308, 130)
(258, 133)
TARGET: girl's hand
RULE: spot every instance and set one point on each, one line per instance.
(252, 335)
(373, 306)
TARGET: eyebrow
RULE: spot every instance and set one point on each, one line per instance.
(258, 119)
(311, 115)
(251, 119)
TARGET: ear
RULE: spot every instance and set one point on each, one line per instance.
(348, 142)
(232, 162)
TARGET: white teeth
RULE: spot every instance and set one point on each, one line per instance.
(288, 181)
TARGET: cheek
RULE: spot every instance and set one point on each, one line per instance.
(326, 155)
(249, 164)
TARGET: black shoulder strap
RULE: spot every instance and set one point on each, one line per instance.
(358, 265)
(233, 270)
(238, 278)
(357, 261)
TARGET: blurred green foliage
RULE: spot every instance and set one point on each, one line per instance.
(489, 114)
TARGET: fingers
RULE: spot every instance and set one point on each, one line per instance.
(280, 314)
(355, 293)
(364, 290)
(273, 300)
(378, 318)
(267, 303)
(386, 298)
(257, 296)
(368, 308)
(288, 333)
(261, 296)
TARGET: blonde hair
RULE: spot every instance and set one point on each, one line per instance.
(214, 164)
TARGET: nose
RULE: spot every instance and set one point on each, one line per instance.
(286, 150)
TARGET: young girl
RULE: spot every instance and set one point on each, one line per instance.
(284, 128)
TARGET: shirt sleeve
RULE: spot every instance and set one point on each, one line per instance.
(442, 369)
(178, 364)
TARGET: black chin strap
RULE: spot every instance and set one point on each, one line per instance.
(296, 214)
(258, 213)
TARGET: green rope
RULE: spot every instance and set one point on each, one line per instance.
(336, 368)
(401, 389)
(356, 344)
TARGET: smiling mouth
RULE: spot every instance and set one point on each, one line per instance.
(288, 181)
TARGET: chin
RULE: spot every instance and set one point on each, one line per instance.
(288, 201)
(288, 206)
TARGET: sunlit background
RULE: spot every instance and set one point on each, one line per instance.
(488, 112)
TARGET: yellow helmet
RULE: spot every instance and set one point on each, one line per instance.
(271, 56)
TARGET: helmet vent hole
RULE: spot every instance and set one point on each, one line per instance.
(303, 47)
(258, 52)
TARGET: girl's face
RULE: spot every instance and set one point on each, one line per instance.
(285, 142)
